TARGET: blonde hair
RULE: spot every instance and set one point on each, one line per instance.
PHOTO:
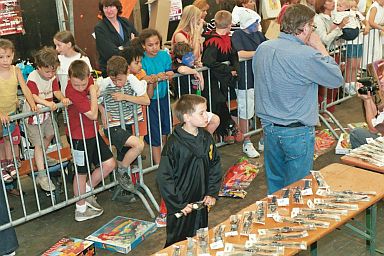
(188, 23)
(223, 19)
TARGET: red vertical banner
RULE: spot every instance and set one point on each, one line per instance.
(11, 21)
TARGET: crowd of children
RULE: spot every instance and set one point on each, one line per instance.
(137, 88)
(138, 78)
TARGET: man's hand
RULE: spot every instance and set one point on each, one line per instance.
(187, 209)
(364, 97)
(234, 73)
(118, 96)
(209, 200)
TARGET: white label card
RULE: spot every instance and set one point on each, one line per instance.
(310, 204)
(217, 245)
(79, 157)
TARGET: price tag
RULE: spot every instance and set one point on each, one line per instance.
(294, 212)
(231, 233)
(217, 245)
(321, 192)
(252, 238)
(261, 232)
(283, 201)
(310, 204)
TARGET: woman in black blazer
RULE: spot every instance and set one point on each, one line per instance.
(113, 32)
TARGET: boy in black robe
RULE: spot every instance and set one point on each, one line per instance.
(189, 170)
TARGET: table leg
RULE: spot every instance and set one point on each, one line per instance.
(370, 222)
(314, 249)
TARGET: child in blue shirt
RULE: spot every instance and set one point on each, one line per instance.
(157, 63)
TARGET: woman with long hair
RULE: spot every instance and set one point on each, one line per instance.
(189, 30)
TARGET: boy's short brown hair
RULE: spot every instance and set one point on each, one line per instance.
(186, 105)
(79, 69)
(117, 65)
(180, 49)
(223, 19)
(7, 44)
(47, 57)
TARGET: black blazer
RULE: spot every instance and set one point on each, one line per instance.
(108, 39)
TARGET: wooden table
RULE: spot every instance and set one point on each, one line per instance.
(361, 164)
(339, 177)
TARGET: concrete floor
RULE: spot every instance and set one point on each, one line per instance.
(39, 234)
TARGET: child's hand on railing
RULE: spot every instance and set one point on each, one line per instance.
(65, 102)
(4, 118)
(52, 105)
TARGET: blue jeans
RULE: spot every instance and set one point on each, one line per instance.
(358, 137)
(288, 154)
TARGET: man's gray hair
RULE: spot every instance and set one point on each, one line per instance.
(295, 18)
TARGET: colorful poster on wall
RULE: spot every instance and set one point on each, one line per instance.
(11, 21)
(176, 10)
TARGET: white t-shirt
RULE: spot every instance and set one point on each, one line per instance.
(355, 18)
(65, 62)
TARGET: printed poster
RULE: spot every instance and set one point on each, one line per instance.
(11, 21)
(176, 10)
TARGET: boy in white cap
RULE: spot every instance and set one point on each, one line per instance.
(245, 41)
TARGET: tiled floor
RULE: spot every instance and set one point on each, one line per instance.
(39, 234)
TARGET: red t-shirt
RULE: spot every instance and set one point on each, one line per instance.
(42, 88)
(80, 105)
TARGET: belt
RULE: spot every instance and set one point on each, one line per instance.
(292, 125)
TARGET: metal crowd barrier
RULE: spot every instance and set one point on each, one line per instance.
(353, 69)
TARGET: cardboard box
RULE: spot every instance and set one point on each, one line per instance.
(343, 146)
(159, 16)
(71, 246)
(122, 234)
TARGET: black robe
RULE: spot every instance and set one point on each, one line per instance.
(189, 170)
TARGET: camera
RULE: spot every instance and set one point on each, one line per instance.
(368, 86)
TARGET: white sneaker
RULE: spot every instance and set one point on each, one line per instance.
(92, 203)
(88, 214)
(250, 150)
(350, 88)
(44, 183)
(261, 145)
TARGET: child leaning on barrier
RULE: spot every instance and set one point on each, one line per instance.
(83, 126)
(123, 94)
(183, 63)
(157, 63)
(245, 41)
(189, 170)
(44, 86)
(10, 78)
(133, 55)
